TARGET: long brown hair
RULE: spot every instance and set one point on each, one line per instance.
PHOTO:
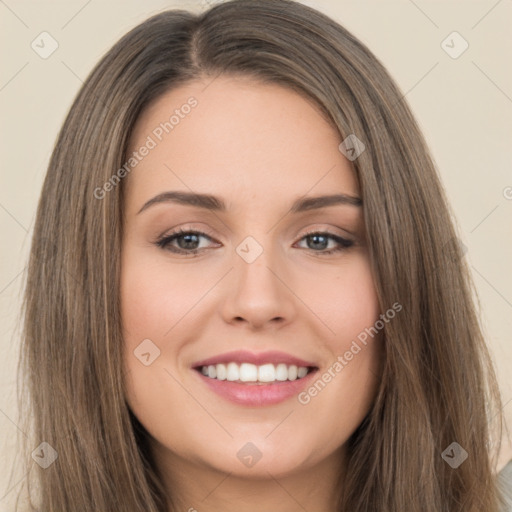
(438, 384)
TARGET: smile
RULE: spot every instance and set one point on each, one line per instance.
(247, 372)
(255, 379)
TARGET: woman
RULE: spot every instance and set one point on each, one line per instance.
(245, 289)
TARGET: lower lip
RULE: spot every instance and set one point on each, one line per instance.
(252, 394)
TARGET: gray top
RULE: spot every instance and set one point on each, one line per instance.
(505, 481)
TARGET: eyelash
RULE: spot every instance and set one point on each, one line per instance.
(164, 241)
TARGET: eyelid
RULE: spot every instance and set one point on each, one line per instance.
(207, 231)
(342, 243)
(329, 231)
(187, 229)
(334, 229)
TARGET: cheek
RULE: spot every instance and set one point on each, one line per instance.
(343, 297)
(158, 316)
(153, 300)
(149, 309)
(344, 389)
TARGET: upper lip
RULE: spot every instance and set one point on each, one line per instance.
(256, 358)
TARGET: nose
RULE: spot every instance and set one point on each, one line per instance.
(259, 294)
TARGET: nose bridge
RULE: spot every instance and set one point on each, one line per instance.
(253, 267)
(259, 294)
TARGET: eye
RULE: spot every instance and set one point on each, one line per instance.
(186, 240)
(320, 240)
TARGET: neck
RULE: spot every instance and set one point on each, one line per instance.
(194, 487)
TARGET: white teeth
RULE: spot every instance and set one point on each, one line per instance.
(247, 372)
(267, 373)
(281, 372)
(221, 372)
(232, 372)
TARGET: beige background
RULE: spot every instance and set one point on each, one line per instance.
(464, 107)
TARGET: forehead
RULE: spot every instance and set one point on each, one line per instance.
(238, 139)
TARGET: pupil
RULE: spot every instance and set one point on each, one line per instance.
(187, 241)
(316, 237)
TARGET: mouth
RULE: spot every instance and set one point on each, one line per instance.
(252, 374)
(251, 379)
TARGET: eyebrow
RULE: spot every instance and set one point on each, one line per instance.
(213, 203)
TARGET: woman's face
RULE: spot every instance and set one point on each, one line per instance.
(247, 293)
